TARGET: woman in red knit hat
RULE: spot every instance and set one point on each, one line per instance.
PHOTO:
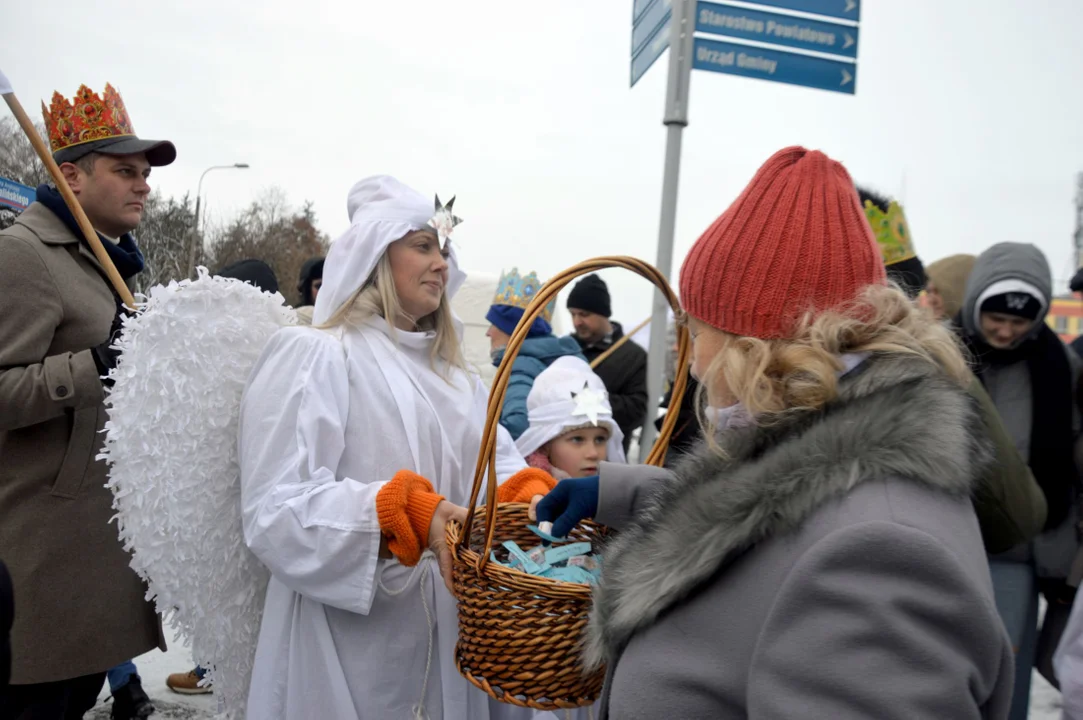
(818, 555)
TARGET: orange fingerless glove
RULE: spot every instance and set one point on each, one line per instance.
(524, 485)
(405, 507)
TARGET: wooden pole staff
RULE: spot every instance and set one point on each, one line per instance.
(69, 197)
(628, 336)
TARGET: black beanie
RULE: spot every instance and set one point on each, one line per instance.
(253, 272)
(1076, 285)
(1018, 304)
(311, 270)
(592, 295)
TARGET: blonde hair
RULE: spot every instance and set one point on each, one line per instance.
(774, 379)
(377, 296)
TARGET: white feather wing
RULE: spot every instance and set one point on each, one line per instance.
(171, 444)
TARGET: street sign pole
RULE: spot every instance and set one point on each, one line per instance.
(675, 119)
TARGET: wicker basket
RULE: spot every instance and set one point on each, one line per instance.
(520, 635)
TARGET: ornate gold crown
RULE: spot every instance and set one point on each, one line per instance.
(891, 231)
(518, 291)
(86, 118)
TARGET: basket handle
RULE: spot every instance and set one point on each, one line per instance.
(486, 464)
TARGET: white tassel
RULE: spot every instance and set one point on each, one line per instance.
(419, 712)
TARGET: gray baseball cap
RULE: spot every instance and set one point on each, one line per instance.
(158, 152)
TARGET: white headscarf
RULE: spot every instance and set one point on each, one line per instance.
(382, 210)
(553, 410)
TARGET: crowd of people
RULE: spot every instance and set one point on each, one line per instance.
(874, 478)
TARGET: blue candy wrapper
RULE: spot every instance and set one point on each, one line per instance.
(557, 555)
(571, 562)
(523, 559)
(571, 574)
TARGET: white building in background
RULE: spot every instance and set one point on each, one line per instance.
(471, 304)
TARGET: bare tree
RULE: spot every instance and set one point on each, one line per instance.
(272, 231)
(18, 161)
(163, 237)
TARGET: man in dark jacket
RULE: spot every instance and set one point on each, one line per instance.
(624, 372)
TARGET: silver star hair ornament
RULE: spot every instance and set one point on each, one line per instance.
(443, 221)
(589, 403)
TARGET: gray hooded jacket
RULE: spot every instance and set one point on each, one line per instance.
(999, 269)
(1008, 385)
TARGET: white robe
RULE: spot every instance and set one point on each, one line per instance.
(326, 422)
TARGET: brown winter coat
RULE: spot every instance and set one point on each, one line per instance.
(79, 608)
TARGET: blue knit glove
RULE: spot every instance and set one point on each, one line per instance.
(568, 503)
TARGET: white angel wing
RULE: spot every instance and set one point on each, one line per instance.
(171, 444)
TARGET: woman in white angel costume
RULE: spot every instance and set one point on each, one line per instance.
(340, 424)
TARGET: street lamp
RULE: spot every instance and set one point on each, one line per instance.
(196, 237)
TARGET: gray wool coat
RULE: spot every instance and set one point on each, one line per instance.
(831, 569)
(79, 607)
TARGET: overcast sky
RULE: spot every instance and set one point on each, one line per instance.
(971, 112)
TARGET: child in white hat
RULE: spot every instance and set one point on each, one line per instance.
(571, 422)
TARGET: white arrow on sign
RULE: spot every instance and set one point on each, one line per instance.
(851, 5)
(848, 41)
(846, 77)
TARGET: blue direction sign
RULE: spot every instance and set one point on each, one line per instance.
(638, 6)
(777, 29)
(845, 9)
(16, 195)
(774, 65)
(651, 51)
(648, 23)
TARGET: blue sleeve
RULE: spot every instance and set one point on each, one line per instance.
(513, 416)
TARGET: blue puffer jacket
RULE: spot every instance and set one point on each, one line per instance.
(536, 354)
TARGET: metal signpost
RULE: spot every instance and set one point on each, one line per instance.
(768, 45)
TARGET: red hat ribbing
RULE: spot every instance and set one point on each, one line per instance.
(796, 240)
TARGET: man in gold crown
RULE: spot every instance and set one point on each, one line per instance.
(80, 609)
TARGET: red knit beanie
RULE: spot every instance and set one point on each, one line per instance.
(796, 240)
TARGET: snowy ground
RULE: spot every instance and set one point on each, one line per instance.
(156, 666)
(1044, 700)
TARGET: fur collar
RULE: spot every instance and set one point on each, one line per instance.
(895, 416)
